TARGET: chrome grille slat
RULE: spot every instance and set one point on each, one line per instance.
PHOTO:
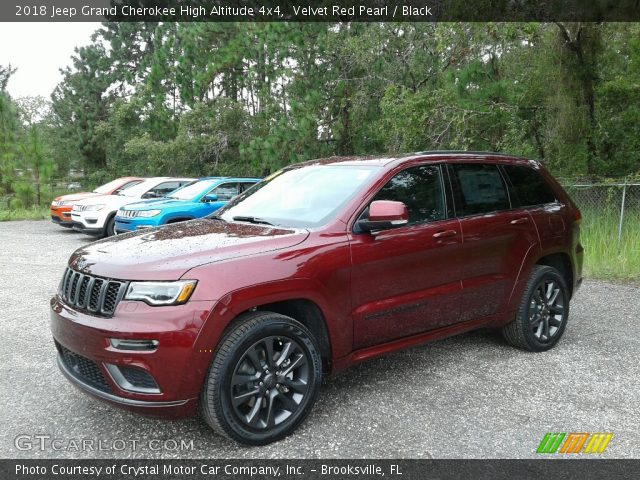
(128, 213)
(99, 296)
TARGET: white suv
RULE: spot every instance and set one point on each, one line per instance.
(96, 215)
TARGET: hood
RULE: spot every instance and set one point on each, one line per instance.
(156, 203)
(167, 252)
(74, 197)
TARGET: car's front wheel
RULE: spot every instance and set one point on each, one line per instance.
(263, 380)
(543, 312)
(110, 227)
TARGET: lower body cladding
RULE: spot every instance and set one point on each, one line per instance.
(143, 358)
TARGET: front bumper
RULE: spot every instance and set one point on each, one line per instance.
(88, 359)
(126, 225)
(90, 222)
(61, 216)
(79, 227)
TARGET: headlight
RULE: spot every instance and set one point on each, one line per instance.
(87, 208)
(147, 213)
(94, 208)
(161, 293)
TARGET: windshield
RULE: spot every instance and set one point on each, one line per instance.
(139, 189)
(303, 197)
(108, 187)
(192, 190)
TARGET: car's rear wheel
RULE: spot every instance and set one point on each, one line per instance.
(263, 380)
(543, 312)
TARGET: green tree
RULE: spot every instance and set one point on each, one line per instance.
(9, 126)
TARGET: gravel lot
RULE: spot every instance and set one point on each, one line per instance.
(470, 396)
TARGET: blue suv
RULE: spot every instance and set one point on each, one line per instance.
(195, 200)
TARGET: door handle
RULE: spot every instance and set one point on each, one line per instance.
(519, 221)
(445, 233)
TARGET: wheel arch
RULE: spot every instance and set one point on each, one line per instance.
(310, 315)
(561, 262)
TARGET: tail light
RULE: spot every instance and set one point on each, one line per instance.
(577, 216)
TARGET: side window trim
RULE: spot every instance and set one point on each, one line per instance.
(450, 196)
(507, 186)
(516, 204)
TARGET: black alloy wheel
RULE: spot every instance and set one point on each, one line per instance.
(270, 382)
(543, 311)
(546, 310)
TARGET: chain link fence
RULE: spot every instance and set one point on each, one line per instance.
(615, 206)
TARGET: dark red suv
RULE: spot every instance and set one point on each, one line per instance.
(320, 266)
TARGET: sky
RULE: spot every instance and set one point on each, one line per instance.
(38, 51)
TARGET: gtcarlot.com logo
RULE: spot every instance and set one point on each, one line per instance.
(49, 443)
(574, 443)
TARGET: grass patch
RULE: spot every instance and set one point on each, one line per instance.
(605, 256)
(33, 213)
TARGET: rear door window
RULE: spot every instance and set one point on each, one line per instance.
(244, 186)
(479, 189)
(528, 187)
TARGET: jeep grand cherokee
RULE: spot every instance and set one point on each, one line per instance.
(320, 266)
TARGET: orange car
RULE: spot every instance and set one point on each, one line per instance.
(62, 205)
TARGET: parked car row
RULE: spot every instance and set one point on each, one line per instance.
(133, 203)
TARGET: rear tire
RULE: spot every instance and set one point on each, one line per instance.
(542, 313)
(264, 379)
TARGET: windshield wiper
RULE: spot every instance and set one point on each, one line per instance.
(242, 218)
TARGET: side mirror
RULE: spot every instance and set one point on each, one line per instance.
(211, 197)
(384, 214)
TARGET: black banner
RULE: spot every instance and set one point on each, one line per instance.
(319, 469)
(318, 10)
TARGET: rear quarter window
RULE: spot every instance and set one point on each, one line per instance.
(528, 186)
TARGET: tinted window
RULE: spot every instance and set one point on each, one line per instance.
(480, 189)
(246, 186)
(420, 189)
(528, 186)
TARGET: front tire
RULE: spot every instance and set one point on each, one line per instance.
(110, 227)
(543, 312)
(264, 379)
